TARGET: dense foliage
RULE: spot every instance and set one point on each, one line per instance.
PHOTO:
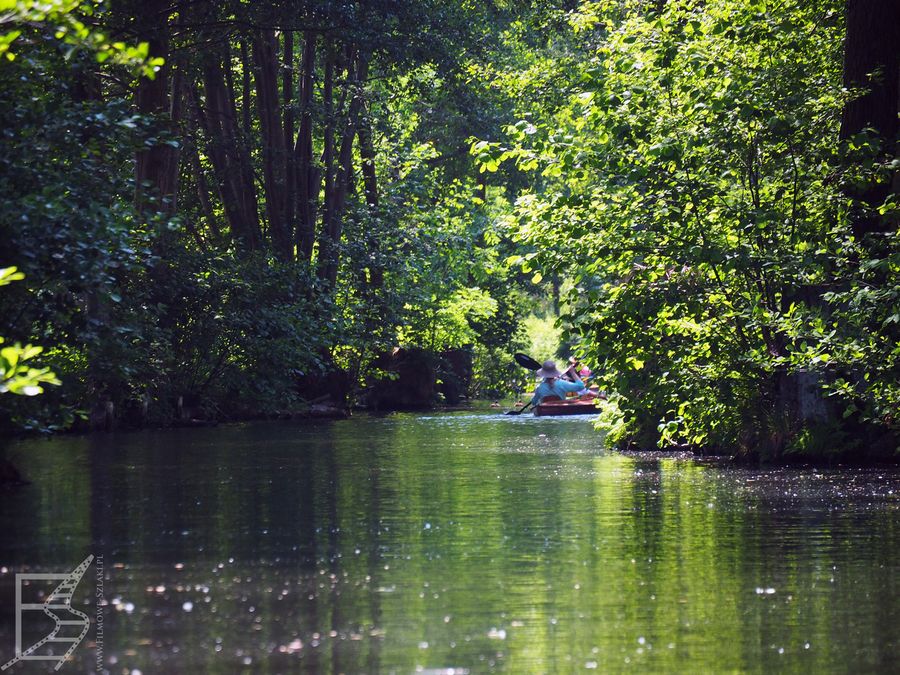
(227, 208)
(694, 169)
(215, 203)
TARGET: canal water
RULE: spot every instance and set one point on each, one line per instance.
(448, 543)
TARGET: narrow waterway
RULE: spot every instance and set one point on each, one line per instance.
(458, 542)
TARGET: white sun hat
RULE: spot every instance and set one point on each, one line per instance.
(548, 370)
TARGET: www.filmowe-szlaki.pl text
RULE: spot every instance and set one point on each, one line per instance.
(101, 603)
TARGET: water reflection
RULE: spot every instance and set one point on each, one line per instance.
(473, 542)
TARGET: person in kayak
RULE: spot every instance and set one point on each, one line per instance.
(578, 369)
(554, 385)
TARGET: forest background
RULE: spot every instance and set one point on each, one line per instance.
(222, 210)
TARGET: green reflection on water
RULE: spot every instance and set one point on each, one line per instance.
(477, 542)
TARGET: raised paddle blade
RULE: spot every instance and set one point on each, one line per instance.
(526, 361)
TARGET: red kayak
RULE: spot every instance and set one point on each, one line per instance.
(574, 406)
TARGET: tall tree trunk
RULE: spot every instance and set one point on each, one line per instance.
(203, 195)
(156, 167)
(86, 83)
(265, 55)
(246, 109)
(325, 238)
(307, 194)
(240, 142)
(230, 158)
(367, 155)
(872, 63)
(343, 175)
(290, 162)
(370, 187)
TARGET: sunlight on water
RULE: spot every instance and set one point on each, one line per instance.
(455, 543)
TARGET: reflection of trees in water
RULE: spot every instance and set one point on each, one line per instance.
(371, 537)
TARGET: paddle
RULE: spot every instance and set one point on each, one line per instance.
(526, 361)
(520, 410)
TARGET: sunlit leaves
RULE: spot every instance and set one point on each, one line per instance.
(449, 323)
(17, 377)
(10, 274)
(63, 19)
(586, 17)
(688, 165)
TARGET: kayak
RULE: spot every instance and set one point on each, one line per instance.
(571, 407)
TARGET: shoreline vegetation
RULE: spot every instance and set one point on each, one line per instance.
(223, 210)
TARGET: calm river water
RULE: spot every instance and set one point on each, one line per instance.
(449, 543)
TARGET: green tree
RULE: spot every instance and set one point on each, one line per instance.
(17, 377)
(695, 168)
(252, 194)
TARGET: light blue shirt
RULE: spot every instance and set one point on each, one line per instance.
(559, 388)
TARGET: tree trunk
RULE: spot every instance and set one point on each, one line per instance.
(872, 63)
(367, 155)
(325, 238)
(265, 55)
(335, 206)
(370, 186)
(306, 178)
(156, 167)
(86, 83)
(203, 195)
(290, 162)
(246, 111)
(230, 159)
